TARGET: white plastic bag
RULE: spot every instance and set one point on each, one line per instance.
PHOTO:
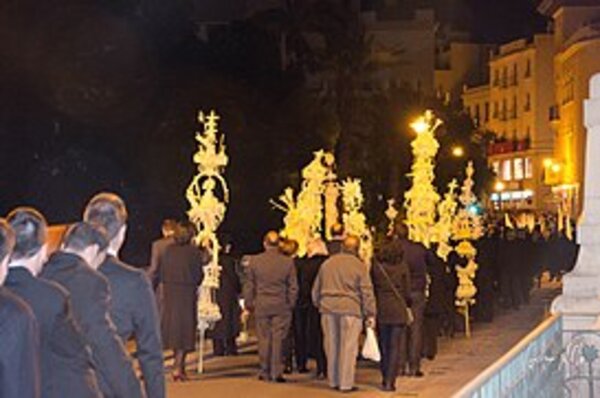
(370, 349)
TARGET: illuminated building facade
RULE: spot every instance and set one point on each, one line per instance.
(576, 31)
(514, 106)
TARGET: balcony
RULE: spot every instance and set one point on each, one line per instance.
(549, 362)
(508, 146)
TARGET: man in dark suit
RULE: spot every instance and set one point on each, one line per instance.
(158, 248)
(74, 267)
(19, 338)
(66, 366)
(133, 307)
(270, 292)
(417, 257)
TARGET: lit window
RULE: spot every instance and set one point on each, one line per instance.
(496, 167)
(507, 170)
(528, 168)
(518, 169)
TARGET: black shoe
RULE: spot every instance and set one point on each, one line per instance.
(417, 374)
(263, 377)
(287, 370)
(303, 369)
(388, 387)
(280, 379)
(320, 376)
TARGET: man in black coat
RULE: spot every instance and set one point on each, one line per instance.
(66, 365)
(308, 333)
(19, 338)
(133, 309)
(228, 327)
(417, 258)
(74, 267)
(158, 248)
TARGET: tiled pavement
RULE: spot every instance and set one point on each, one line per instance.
(458, 361)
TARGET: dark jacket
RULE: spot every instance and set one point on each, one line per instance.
(271, 286)
(391, 309)
(66, 365)
(307, 270)
(134, 313)
(90, 299)
(416, 256)
(19, 348)
(158, 248)
(227, 295)
(343, 287)
(180, 269)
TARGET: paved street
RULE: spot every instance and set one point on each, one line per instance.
(458, 361)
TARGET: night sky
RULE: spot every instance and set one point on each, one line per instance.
(102, 95)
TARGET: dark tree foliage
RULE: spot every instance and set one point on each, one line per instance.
(104, 96)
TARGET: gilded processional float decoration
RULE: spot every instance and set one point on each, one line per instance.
(208, 196)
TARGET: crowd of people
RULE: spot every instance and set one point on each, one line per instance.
(66, 318)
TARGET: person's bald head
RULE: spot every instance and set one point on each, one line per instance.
(271, 239)
(337, 230)
(351, 244)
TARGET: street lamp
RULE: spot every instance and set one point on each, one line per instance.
(458, 151)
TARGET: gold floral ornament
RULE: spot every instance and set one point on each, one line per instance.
(466, 229)
(422, 198)
(207, 212)
(304, 214)
(355, 221)
(391, 213)
(446, 213)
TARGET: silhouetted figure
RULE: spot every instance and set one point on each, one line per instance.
(180, 273)
(19, 335)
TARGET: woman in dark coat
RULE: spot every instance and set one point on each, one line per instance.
(391, 282)
(180, 268)
(227, 329)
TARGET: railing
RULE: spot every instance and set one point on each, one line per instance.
(532, 368)
(549, 363)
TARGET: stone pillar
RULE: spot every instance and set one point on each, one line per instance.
(580, 299)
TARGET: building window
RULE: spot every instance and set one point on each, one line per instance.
(528, 168)
(503, 110)
(495, 114)
(486, 112)
(507, 170)
(528, 69)
(518, 170)
(513, 112)
(527, 107)
(504, 77)
(496, 82)
(477, 115)
(496, 167)
(515, 74)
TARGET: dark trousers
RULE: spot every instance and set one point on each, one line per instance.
(300, 336)
(411, 352)
(431, 332)
(225, 346)
(391, 339)
(315, 340)
(271, 331)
